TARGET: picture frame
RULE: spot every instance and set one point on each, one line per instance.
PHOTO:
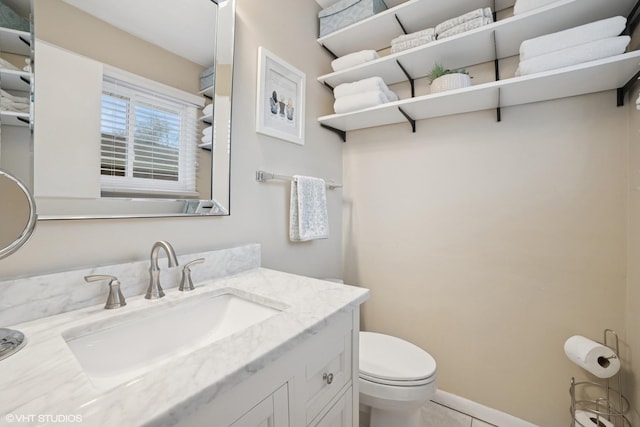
(280, 104)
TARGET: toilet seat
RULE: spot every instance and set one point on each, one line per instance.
(392, 361)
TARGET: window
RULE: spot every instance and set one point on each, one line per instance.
(148, 142)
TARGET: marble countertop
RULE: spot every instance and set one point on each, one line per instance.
(43, 384)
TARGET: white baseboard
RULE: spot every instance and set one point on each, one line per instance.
(476, 410)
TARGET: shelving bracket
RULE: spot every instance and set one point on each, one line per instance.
(25, 41)
(496, 66)
(411, 79)
(26, 80)
(632, 20)
(341, 133)
(23, 120)
(411, 120)
(330, 51)
(622, 91)
(404, 30)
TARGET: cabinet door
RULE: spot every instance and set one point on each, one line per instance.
(271, 412)
(340, 414)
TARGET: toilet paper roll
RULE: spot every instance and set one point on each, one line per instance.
(596, 358)
(589, 419)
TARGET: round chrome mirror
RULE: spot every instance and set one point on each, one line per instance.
(17, 214)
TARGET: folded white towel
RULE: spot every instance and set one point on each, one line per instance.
(454, 22)
(465, 26)
(410, 44)
(591, 51)
(523, 6)
(427, 33)
(308, 215)
(353, 59)
(365, 85)
(360, 101)
(208, 110)
(207, 131)
(598, 30)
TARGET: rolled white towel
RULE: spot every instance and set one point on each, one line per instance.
(465, 26)
(353, 59)
(453, 22)
(208, 110)
(598, 30)
(523, 6)
(410, 44)
(361, 101)
(591, 51)
(429, 33)
(365, 85)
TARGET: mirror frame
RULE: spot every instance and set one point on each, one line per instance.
(222, 203)
(31, 223)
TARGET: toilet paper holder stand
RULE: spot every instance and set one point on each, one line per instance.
(604, 404)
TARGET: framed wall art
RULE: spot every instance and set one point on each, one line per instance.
(281, 98)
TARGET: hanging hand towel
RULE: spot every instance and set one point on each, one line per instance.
(308, 216)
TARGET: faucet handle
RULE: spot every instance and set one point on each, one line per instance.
(186, 284)
(115, 298)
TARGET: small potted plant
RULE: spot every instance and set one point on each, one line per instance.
(442, 79)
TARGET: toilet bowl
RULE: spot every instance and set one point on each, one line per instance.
(396, 378)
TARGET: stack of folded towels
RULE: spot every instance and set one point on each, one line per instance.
(16, 104)
(408, 41)
(466, 22)
(362, 94)
(353, 59)
(460, 24)
(585, 43)
(523, 6)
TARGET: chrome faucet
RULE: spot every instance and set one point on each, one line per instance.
(154, 291)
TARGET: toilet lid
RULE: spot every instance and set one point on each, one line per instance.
(391, 359)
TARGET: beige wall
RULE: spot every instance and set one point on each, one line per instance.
(489, 244)
(259, 212)
(633, 271)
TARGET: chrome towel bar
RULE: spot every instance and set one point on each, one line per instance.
(262, 176)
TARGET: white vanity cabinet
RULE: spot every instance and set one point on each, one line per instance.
(313, 383)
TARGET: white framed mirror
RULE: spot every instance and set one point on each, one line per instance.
(123, 94)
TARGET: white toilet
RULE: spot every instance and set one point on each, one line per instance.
(396, 379)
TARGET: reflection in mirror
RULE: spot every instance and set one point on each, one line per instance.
(17, 214)
(132, 107)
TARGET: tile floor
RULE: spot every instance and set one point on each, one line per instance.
(437, 415)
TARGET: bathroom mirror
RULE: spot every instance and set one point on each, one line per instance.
(119, 123)
(17, 214)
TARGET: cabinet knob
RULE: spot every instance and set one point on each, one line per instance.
(328, 378)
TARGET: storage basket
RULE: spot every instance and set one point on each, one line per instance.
(206, 78)
(346, 12)
(450, 82)
(10, 19)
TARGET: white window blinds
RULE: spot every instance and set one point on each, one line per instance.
(148, 142)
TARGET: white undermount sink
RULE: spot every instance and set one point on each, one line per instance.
(117, 351)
